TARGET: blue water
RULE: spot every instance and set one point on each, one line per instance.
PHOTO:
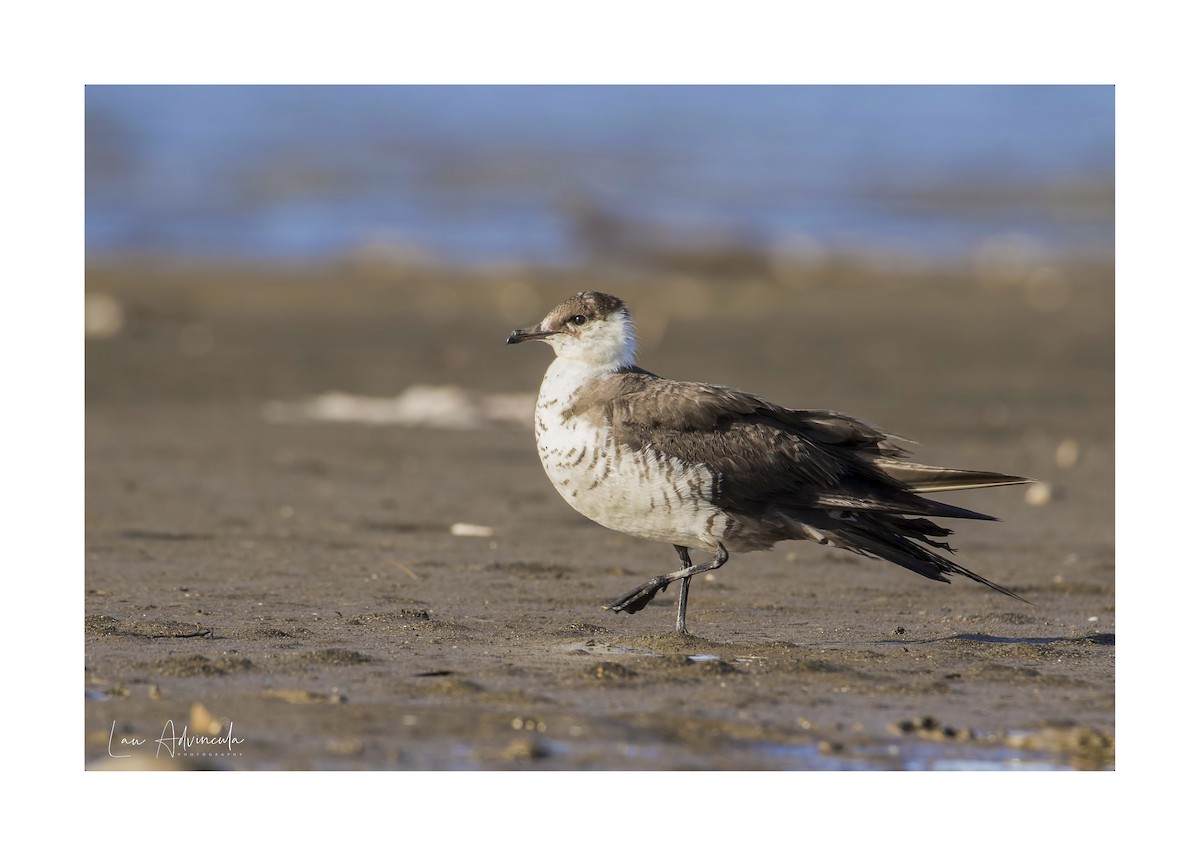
(481, 174)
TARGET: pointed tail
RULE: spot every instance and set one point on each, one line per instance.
(894, 538)
(922, 478)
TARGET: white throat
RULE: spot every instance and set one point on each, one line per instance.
(565, 377)
(605, 346)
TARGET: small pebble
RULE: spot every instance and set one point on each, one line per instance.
(1067, 454)
(103, 316)
(203, 722)
(1038, 494)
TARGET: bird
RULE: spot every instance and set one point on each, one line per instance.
(707, 467)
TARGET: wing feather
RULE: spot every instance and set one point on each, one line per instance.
(769, 456)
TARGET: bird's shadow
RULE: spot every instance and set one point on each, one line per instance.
(1092, 638)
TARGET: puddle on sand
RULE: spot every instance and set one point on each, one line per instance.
(634, 754)
(885, 755)
(600, 648)
(911, 756)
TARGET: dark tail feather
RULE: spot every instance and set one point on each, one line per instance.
(897, 500)
(922, 478)
(933, 566)
(888, 538)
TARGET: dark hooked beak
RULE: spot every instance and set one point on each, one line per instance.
(527, 334)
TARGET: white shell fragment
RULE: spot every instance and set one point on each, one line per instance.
(1039, 493)
(417, 406)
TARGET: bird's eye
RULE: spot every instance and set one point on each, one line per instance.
(579, 320)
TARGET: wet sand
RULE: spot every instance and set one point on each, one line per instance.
(296, 585)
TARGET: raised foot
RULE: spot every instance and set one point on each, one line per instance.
(633, 601)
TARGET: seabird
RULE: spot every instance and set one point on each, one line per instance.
(707, 467)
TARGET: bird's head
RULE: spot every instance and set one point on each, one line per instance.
(590, 327)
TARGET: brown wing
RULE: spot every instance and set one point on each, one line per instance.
(828, 477)
(764, 455)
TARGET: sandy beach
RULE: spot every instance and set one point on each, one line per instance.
(368, 582)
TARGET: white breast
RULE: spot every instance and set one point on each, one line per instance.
(635, 491)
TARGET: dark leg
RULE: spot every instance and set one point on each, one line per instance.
(685, 561)
(639, 597)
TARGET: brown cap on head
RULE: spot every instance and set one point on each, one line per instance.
(590, 305)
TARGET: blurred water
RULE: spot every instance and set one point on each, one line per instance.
(479, 174)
